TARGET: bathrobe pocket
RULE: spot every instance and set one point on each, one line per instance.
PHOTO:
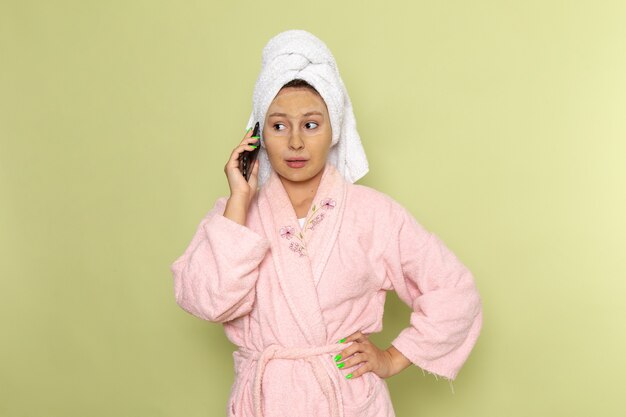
(359, 394)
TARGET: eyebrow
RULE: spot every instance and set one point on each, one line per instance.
(310, 113)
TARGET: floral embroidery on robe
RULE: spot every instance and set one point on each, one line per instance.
(311, 222)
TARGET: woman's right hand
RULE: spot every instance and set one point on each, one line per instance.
(241, 191)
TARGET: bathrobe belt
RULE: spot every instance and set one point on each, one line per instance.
(313, 356)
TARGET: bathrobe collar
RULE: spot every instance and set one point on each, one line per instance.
(300, 254)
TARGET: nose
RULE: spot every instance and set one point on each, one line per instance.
(295, 142)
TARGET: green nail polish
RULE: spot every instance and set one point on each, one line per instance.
(248, 129)
(342, 340)
(337, 358)
(340, 365)
(256, 137)
(348, 376)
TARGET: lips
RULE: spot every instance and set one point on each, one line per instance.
(296, 162)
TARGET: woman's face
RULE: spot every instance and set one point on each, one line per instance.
(297, 134)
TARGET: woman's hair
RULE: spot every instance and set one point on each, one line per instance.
(299, 83)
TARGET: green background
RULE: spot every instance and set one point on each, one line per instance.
(501, 125)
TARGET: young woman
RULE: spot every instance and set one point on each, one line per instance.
(296, 262)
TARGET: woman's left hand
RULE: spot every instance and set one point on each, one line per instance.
(384, 363)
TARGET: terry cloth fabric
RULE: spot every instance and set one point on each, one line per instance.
(299, 54)
(286, 294)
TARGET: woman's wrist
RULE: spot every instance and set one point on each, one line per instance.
(399, 362)
(237, 208)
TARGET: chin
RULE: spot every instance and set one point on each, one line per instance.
(295, 175)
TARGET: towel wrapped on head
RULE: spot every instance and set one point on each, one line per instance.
(298, 54)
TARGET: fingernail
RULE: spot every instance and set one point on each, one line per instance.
(340, 365)
(254, 146)
(249, 129)
(342, 340)
(256, 137)
(337, 358)
(348, 376)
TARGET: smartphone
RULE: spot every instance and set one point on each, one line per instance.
(247, 158)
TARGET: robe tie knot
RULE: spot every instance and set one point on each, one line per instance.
(313, 355)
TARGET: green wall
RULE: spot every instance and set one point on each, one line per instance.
(501, 125)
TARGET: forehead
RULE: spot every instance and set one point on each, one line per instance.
(297, 98)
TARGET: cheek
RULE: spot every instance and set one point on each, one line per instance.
(323, 149)
(275, 156)
(272, 151)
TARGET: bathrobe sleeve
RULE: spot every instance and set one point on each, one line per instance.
(447, 313)
(215, 278)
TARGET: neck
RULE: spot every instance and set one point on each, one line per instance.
(302, 193)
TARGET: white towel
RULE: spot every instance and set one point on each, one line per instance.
(299, 54)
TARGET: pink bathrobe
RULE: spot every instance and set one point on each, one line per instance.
(287, 295)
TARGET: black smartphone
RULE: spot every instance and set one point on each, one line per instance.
(247, 158)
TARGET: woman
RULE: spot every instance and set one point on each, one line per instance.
(297, 271)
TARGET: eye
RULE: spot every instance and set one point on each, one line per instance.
(312, 123)
(278, 124)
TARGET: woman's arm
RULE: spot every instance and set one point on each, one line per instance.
(446, 317)
(215, 278)
(447, 313)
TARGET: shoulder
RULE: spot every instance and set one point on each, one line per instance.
(373, 198)
(385, 217)
(380, 208)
